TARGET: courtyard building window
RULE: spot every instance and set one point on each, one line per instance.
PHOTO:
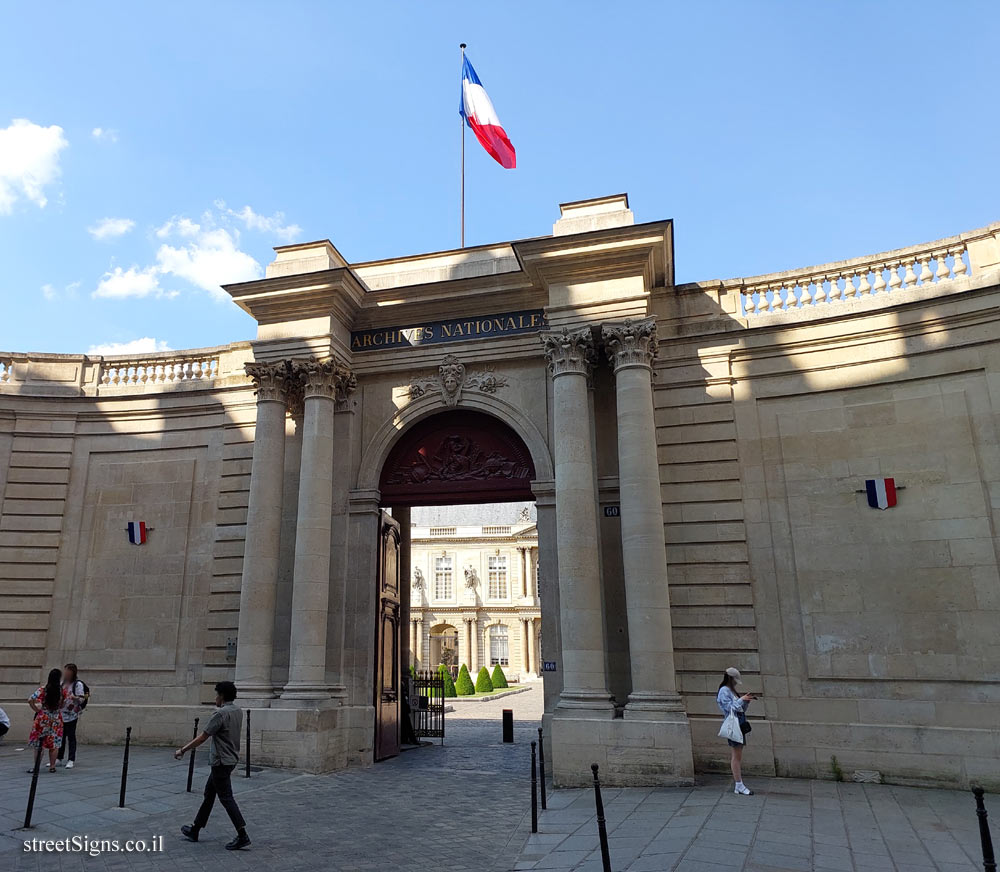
(498, 577)
(499, 646)
(443, 578)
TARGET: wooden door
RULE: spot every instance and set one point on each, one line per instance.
(387, 641)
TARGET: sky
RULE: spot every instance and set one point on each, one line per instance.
(151, 152)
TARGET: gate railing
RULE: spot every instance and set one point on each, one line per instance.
(427, 706)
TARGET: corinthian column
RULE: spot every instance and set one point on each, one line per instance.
(631, 347)
(311, 573)
(570, 355)
(258, 587)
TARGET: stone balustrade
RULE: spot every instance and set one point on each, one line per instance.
(160, 369)
(883, 275)
(94, 375)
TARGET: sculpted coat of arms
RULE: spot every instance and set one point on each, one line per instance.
(452, 378)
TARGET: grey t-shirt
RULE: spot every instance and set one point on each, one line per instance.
(224, 727)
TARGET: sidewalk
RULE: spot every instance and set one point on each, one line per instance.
(787, 826)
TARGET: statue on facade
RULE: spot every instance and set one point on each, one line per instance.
(471, 579)
(418, 579)
(524, 515)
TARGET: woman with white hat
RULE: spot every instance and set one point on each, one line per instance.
(728, 703)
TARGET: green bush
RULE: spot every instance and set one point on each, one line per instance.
(483, 683)
(449, 684)
(498, 678)
(413, 671)
(464, 685)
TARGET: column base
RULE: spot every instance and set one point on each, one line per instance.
(630, 753)
(308, 691)
(586, 703)
(654, 706)
(255, 695)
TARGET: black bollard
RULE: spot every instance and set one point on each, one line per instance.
(194, 751)
(989, 860)
(602, 826)
(248, 744)
(121, 796)
(541, 765)
(34, 786)
(534, 791)
(508, 726)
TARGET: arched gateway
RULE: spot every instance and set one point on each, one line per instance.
(727, 431)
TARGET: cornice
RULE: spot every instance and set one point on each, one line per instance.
(337, 292)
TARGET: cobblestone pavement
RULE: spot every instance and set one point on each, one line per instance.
(789, 824)
(460, 806)
(465, 806)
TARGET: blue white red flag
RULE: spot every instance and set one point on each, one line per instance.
(477, 109)
(136, 532)
(881, 492)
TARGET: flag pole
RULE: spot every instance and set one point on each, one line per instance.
(461, 119)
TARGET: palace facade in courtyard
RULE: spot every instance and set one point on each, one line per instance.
(701, 459)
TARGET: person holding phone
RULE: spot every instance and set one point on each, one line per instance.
(729, 702)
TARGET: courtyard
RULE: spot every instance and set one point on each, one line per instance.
(466, 806)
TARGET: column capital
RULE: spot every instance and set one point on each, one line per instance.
(569, 351)
(271, 380)
(347, 384)
(631, 343)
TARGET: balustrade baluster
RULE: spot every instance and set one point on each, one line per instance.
(804, 296)
(834, 289)
(925, 269)
(850, 289)
(749, 306)
(909, 277)
(819, 296)
(958, 268)
(864, 288)
(894, 280)
(943, 271)
(879, 286)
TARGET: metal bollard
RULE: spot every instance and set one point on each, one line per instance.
(541, 765)
(248, 744)
(534, 791)
(34, 786)
(508, 726)
(602, 826)
(989, 860)
(194, 751)
(128, 739)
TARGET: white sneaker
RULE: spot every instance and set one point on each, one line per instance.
(742, 790)
(69, 765)
(59, 762)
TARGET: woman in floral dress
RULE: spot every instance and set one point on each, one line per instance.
(47, 703)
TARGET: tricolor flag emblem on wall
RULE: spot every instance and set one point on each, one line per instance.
(881, 492)
(136, 532)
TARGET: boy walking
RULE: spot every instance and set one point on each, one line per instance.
(224, 730)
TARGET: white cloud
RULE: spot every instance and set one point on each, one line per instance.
(211, 259)
(145, 345)
(133, 282)
(29, 162)
(275, 224)
(105, 133)
(111, 228)
(180, 226)
(52, 293)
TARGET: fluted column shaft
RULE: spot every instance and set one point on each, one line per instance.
(570, 355)
(474, 654)
(631, 347)
(259, 584)
(311, 573)
(532, 665)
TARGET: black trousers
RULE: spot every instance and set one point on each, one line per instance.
(69, 738)
(220, 785)
(3, 730)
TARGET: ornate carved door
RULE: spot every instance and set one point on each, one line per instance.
(387, 641)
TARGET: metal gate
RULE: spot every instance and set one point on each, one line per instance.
(427, 706)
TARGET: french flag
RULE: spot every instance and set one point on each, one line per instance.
(477, 109)
(881, 492)
(136, 532)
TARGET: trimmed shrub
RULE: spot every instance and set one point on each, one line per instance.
(464, 685)
(498, 678)
(483, 683)
(413, 671)
(449, 684)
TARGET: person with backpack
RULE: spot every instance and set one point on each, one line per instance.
(47, 703)
(77, 695)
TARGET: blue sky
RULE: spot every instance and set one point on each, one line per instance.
(164, 148)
